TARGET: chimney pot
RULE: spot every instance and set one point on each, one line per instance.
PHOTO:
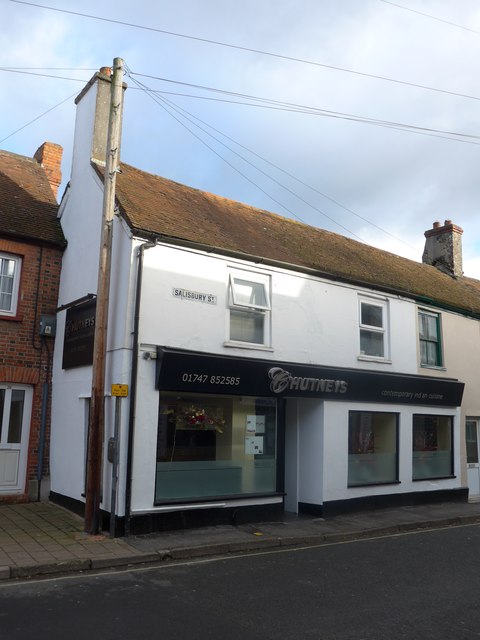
(436, 224)
(106, 71)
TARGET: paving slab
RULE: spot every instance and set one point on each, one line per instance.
(43, 539)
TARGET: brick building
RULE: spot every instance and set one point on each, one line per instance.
(31, 247)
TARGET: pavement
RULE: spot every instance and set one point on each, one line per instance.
(41, 539)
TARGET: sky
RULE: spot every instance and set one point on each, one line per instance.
(357, 116)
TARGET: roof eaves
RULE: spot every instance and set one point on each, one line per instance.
(150, 235)
(60, 243)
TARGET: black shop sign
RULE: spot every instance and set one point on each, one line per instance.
(204, 373)
(79, 333)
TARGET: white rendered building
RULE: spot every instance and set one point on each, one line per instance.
(271, 366)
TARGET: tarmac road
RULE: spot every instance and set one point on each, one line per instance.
(416, 585)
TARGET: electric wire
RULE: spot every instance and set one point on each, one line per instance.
(425, 131)
(268, 103)
(38, 117)
(189, 117)
(41, 75)
(427, 15)
(299, 108)
(164, 106)
(278, 105)
(305, 184)
(246, 49)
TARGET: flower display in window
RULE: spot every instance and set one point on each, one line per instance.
(198, 418)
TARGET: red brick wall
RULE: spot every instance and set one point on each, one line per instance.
(24, 355)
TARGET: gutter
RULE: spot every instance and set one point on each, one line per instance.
(133, 382)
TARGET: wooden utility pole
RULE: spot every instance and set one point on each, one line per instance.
(96, 425)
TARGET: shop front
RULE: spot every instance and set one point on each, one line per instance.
(236, 434)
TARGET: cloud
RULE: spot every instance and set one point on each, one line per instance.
(400, 181)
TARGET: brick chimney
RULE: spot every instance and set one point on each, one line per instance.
(443, 248)
(49, 156)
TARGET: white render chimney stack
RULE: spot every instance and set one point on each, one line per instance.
(443, 248)
(91, 123)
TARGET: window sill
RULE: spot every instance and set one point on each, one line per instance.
(433, 366)
(429, 479)
(194, 502)
(246, 345)
(372, 484)
(374, 359)
(16, 318)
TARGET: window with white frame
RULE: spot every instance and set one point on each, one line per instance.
(249, 302)
(9, 282)
(429, 337)
(373, 328)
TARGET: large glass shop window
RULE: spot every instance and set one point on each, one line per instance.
(432, 446)
(215, 446)
(372, 448)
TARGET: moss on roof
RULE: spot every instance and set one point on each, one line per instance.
(153, 205)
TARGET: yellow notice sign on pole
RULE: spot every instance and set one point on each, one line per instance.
(120, 390)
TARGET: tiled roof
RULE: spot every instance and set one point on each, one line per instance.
(156, 206)
(28, 209)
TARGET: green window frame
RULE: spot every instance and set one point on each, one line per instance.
(429, 332)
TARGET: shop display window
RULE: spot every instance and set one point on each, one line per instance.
(372, 448)
(432, 446)
(215, 447)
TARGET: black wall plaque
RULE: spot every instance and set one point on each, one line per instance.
(79, 332)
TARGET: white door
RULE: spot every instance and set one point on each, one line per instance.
(15, 414)
(473, 471)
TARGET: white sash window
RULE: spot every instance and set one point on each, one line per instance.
(249, 301)
(9, 281)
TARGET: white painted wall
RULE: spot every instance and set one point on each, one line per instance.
(291, 456)
(311, 451)
(71, 387)
(145, 438)
(81, 219)
(313, 321)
